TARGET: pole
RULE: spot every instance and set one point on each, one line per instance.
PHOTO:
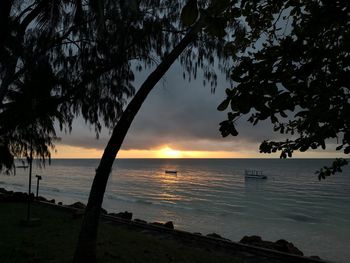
(30, 178)
(37, 185)
(37, 188)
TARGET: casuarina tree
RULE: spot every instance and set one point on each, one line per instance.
(200, 37)
(61, 48)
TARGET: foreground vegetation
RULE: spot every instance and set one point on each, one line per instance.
(54, 240)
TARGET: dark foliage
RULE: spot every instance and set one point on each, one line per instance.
(294, 70)
(81, 58)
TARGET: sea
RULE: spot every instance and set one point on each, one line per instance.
(213, 196)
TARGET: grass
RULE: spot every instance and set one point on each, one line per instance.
(54, 240)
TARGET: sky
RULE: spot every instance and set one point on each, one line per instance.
(179, 119)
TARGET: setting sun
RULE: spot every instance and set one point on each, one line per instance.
(169, 153)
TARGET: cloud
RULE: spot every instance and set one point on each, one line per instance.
(179, 114)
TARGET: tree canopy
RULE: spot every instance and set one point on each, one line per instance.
(198, 45)
(83, 56)
(293, 70)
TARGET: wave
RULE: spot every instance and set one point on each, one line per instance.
(302, 218)
(14, 184)
(161, 203)
(52, 189)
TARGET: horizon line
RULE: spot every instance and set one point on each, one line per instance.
(189, 158)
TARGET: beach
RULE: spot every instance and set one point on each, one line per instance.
(50, 234)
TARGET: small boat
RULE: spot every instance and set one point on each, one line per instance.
(255, 174)
(170, 172)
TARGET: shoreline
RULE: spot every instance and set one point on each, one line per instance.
(254, 244)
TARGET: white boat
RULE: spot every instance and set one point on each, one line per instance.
(170, 172)
(255, 174)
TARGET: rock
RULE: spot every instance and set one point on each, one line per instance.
(59, 203)
(169, 225)
(251, 240)
(10, 196)
(80, 206)
(197, 233)
(288, 247)
(157, 224)
(41, 199)
(77, 205)
(21, 197)
(140, 221)
(280, 245)
(52, 201)
(3, 191)
(214, 235)
(125, 215)
(104, 211)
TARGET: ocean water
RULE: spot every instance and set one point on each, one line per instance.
(212, 195)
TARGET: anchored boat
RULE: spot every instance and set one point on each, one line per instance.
(255, 174)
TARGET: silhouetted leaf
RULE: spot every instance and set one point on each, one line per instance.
(223, 105)
(347, 150)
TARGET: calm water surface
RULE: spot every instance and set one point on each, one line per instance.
(212, 195)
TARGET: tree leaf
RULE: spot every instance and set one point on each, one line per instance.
(223, 105)
(233, 131)
(347, 150)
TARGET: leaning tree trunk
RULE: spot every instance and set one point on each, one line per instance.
(86, 247)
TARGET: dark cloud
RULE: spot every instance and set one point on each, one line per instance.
(180, 114)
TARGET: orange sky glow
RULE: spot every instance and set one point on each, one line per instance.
(67, 151)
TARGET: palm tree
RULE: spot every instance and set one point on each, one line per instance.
(28, 115)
